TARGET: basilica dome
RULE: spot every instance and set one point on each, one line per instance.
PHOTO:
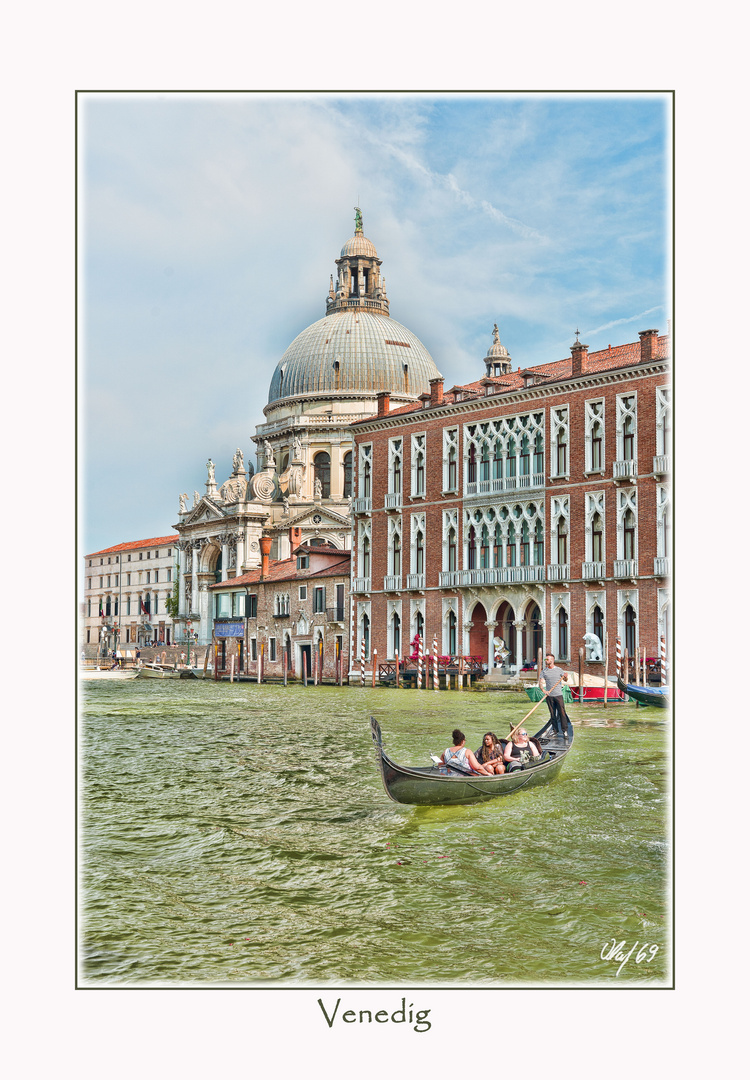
(357, 350)
(354, 352)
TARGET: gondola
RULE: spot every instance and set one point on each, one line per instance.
(646, 695)
(441, 785)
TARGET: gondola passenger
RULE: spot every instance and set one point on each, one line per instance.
(463, 758)
(490, 753)
(519, 751)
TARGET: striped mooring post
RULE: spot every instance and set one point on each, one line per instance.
(374, 664)
(362, 661)
(618, 657)
(419, 664)
(663, 660)
(435, 669)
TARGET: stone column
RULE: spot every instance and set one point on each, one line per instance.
(224, 539)
(203, 598)
(240, 537)
(519, 628)
(181, 559)
(491, 646)
(197, 544)
(337, 471)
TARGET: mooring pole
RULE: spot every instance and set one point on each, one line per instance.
(374, 665)
(606, 667)
(398, 673)
(580, 675)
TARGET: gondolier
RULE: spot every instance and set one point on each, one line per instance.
(551, 679)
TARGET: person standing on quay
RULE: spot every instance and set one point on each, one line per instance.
(551, 679)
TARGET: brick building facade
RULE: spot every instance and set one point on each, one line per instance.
(296, 608)
(529, 506)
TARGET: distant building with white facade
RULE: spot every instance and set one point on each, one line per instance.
(125, 592)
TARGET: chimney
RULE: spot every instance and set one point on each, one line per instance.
(265, 551)
(384, 402)
(648, 344)
(295, 536)
(580, 355)
(436, 392)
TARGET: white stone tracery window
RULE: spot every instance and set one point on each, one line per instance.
(663, 420)
(416, 625)
(417, 548)
(560, 608)
(450, 540)
(596, 616)
(395, 465)
(594, 535)
(450, 630)
(627, 427)
(559, 438)
(280, 604)
(663, 529)
(505, 535)
(504, 454)
(560, 534)
(363, 630)
(394, 546)
(364, 542)
(395, 634)
(450, 459)
(595, 436)
(627, 526)
(365, 471)
(418, 464)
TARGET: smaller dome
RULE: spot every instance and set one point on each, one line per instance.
(359, 245)
(496, 348)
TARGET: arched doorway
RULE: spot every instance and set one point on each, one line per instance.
(478, 634)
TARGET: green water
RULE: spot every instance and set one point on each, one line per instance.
(235, 834)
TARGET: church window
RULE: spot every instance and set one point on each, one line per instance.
(322, 468)
(348, 475)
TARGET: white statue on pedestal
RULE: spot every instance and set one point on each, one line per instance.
(593, 645)
(183, 502)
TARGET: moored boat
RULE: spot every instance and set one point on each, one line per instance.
(107, 674)
(441, 785)
(646, 695)
(154, 671)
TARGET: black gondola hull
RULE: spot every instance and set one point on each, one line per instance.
(440, 786)
(646, 695)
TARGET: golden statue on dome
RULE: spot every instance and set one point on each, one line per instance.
(357, 220)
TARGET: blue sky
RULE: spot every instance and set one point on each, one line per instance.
(210, 225)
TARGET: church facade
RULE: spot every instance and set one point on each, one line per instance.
(528, 509)
(301, 491)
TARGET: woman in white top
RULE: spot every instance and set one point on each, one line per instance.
(460, 755)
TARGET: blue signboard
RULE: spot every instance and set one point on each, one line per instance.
(229, 629)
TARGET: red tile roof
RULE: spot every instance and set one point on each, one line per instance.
(286, 570)
(616, 356)
(134, 545)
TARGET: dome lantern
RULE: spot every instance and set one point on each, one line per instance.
(359, 285)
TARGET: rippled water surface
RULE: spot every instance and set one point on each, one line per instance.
(235, 834)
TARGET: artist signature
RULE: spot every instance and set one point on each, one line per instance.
(615, 951)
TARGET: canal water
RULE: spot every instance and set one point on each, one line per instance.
(235, 834)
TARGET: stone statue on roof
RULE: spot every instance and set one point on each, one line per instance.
(196, 498)
(238, 462)
(496, 334)
(183, 502)
(357, 219)
(211, 471)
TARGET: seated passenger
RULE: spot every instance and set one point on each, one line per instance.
(490, 753)
(519, 751)
(463, 758)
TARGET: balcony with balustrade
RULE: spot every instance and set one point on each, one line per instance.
(415, 581)
(625, 470)
(392, 583)
(490, 575)
(393, 500)
(661, 464)
(592, 571)
(661, 566)
(500, 484)
(558, 572)
(362, 505)
(335, 615)
(626, 568)
(361, 584)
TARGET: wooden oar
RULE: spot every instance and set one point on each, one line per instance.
(528, 714)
